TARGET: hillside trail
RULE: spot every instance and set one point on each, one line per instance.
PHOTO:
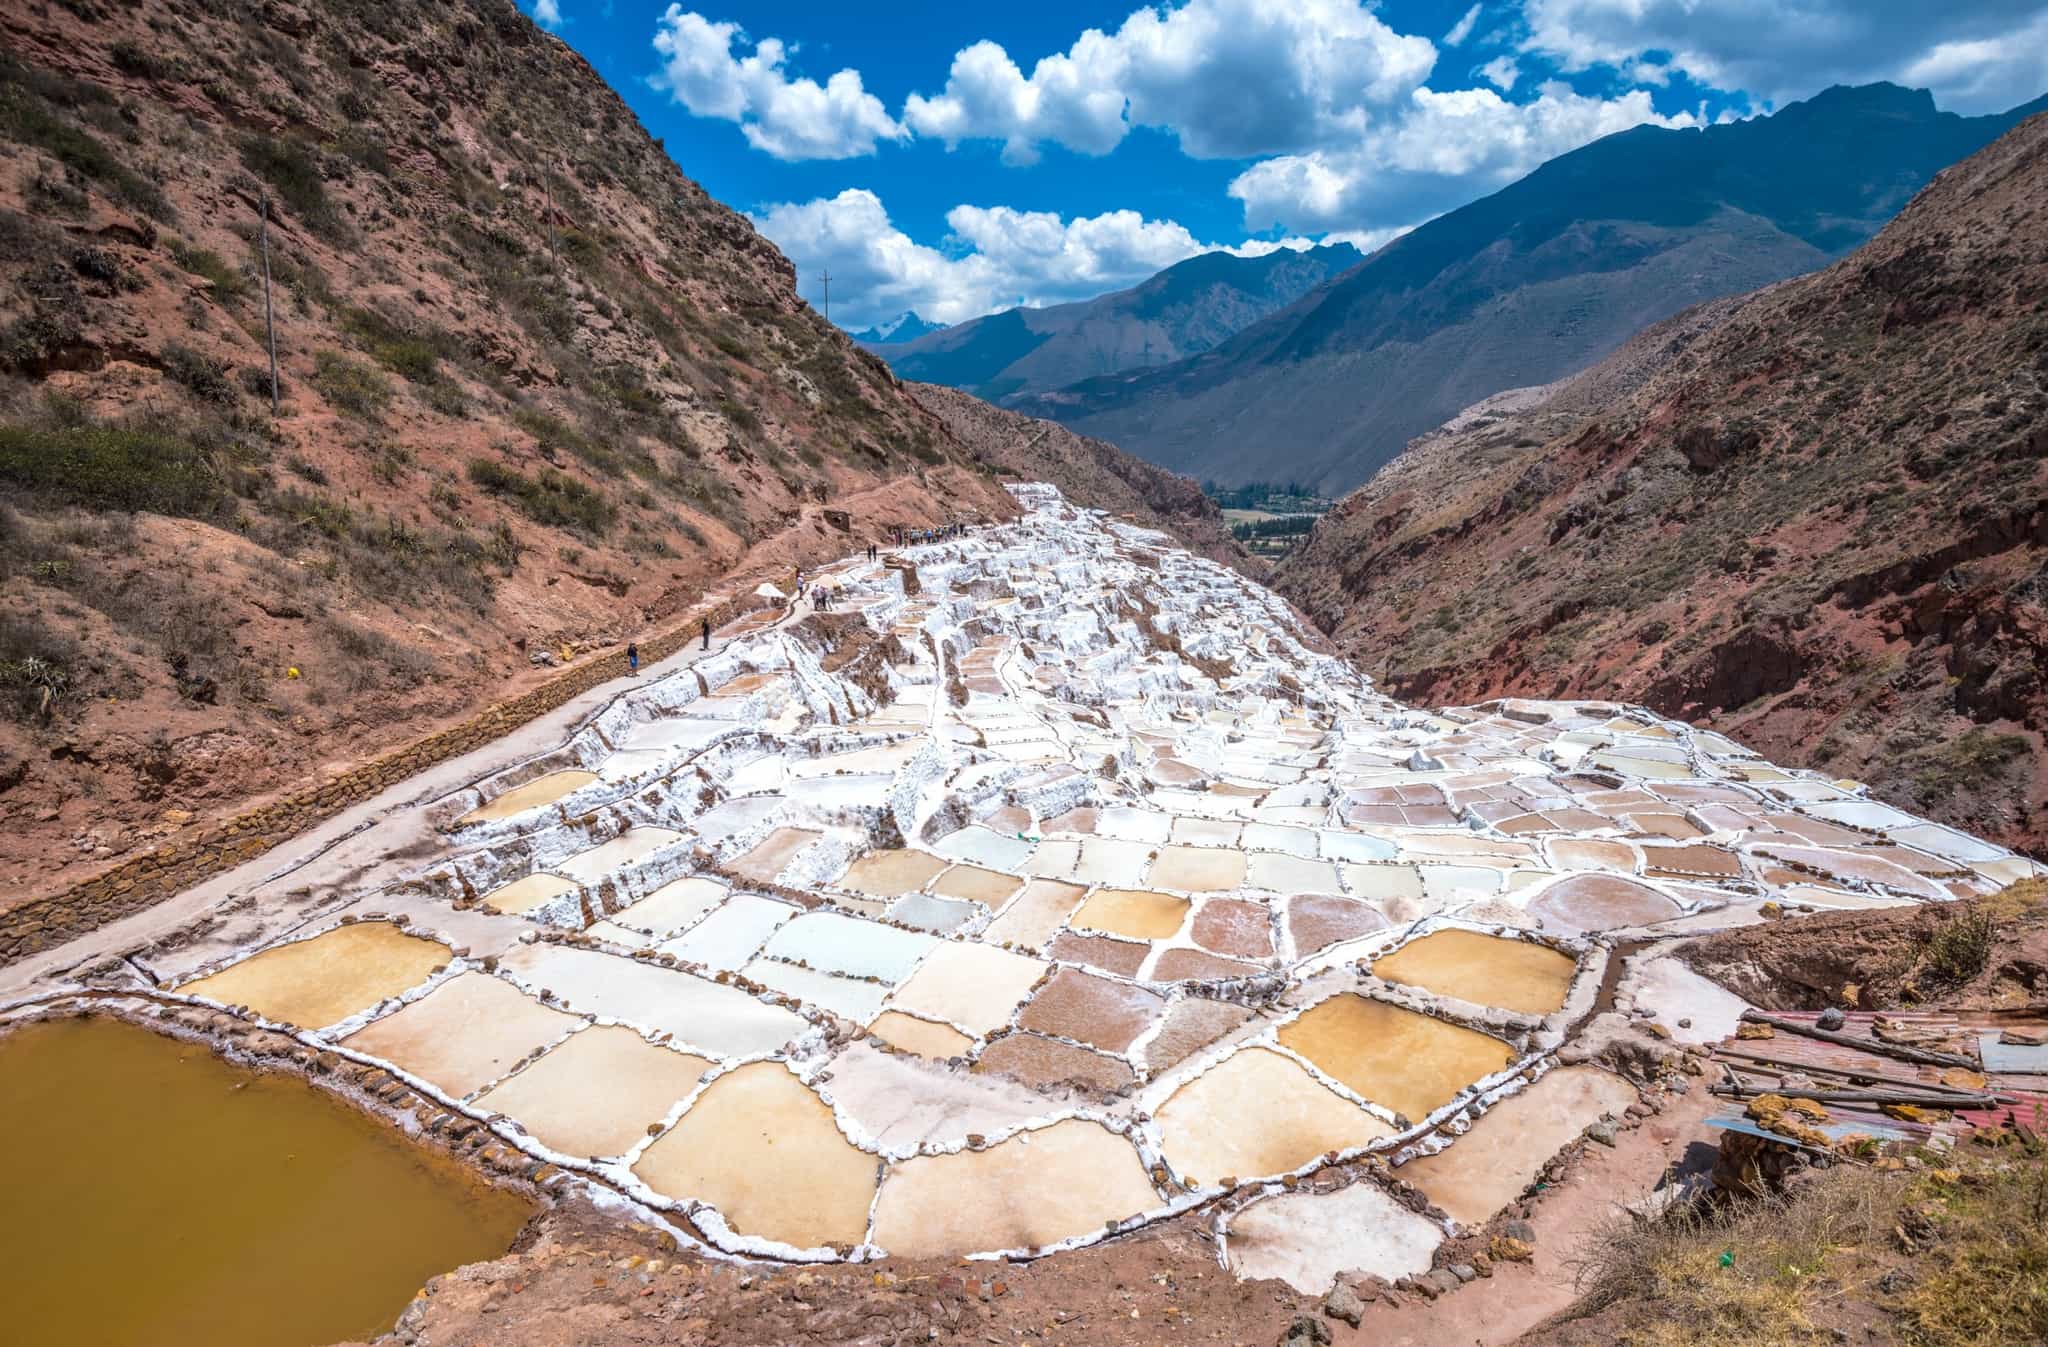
(281, 881)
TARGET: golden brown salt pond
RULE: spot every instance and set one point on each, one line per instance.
(179, 1200)
(886, 874)
(1411, 1063)
(763, 1149)
(318, 982)
(1137, 913)
(1486, 970)
(539, 791)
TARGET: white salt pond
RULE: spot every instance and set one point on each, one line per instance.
(1037, 927)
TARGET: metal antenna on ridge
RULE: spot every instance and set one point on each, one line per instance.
(825, 278)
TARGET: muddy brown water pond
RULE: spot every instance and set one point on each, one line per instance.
(159, 1195)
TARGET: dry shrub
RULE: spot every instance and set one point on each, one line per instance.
(1667, 1278)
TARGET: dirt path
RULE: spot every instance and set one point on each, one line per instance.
(345, 847)
(1520, 1296)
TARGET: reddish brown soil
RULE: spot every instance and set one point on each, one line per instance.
(481, 264)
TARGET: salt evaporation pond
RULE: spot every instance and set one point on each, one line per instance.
(1101, 891)
(164, 1197)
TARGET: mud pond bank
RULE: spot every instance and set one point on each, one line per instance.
(163, 1196)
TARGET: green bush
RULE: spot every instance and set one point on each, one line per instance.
(112, 468)
(413, 354)
(204, 378)
(552, 498)
(36, 666)
(293, 173)
(228, 280)
(351, 385)
(1960, 949)
(29, 115)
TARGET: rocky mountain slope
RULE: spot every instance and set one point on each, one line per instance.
(1088, 470)
(1528, 286)
(1186, 309)
(537, 391)
(1813, 517)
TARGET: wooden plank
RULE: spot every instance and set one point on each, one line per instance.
(1870, 1045)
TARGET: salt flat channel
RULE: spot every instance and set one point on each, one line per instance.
(1100, 891)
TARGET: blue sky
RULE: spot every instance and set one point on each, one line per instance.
(957, 159)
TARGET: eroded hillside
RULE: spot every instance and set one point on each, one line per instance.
(537, 391)
(1088, 470)
(1812, 517)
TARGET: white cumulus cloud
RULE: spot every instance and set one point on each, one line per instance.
(1447, 149)
(789, 118)
(1501, 72)
(548, 14)
(1229, 78)
(1981, 56)
(994, 256)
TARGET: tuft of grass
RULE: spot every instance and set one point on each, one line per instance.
(33, 104)
(201, 376)
(1960, 949)
(412, 353)
(294, 174)
(1968, 764)
(1985, 1277)
(107, 467)
(551, 498)
(36, 666)
(227, 279)
(351, 385)
(1666, 1279)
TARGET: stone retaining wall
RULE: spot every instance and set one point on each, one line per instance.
(148, 879)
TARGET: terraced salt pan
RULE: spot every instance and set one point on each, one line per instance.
(673, 906)
(975, 884)
(1308, 1239)
(1198, 869)
(985, 847)
(597, 1092)
(540, 791)
(685, 735)
(733, 934)
(1486, 970)
(524, 895)
(925, 1038)
(766, 861)
(322, 981)
(845, 997)
(1037, 1188)
(1308, 827)
(718, 1021)
(1499, 1157)
(1139, 914)
(1031, 918)
(634, 844)
(1411, 1063)
(974, 986)
(1258, 1114)
(887, 874)
(466, 1033)
(764, 1150)
(836, 943)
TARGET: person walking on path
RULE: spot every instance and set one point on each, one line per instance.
(633, 658)
(705, 626)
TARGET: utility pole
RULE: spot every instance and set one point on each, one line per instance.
(269, 316)
(826, 278)
(547, 185)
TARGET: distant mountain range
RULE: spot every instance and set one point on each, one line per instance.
(1184, 310)
(1521, 288)
(1814, 518)
(903, 327)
